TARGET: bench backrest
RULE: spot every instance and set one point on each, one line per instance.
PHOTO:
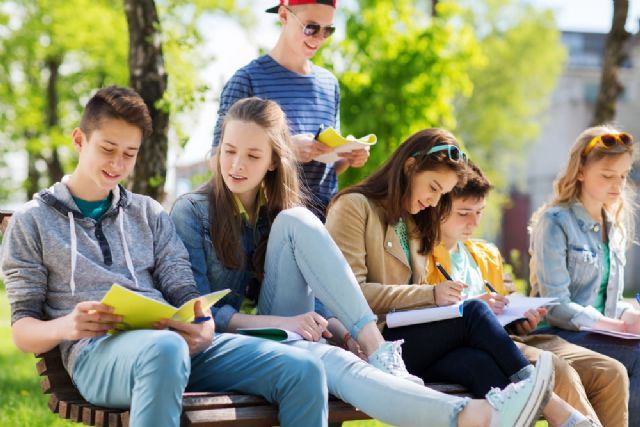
(5, 216)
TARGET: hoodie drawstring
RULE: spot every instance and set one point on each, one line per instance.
(74, 251)
(127, 257)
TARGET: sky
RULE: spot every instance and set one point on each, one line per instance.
(572, 15)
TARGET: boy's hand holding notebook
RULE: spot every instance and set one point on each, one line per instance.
(341, 144)
(141, 312)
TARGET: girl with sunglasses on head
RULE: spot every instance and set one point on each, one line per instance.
(246, 230)
(578, 245)
(385, 227)
(308, 94)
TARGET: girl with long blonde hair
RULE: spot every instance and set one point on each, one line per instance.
(578, 245)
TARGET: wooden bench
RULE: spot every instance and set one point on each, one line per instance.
(199, 409)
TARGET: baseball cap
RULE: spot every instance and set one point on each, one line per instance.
(274, 9)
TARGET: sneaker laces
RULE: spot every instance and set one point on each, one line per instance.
(497, 397)
(392, 358)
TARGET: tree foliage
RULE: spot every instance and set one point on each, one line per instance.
(50, 61)
(513, 87)
(54, 54)
(511, 90)
(400, 70)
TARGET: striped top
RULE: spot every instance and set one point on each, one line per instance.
(308, 101)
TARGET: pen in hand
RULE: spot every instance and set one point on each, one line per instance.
(490, 287)
(443, 271)
(201, 319)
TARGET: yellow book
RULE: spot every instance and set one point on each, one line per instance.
(341, 144)
(141, 312)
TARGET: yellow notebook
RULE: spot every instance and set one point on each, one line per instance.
(141, 312)
(341, 144)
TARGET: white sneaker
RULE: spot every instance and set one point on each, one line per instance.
(388, 358)
(520, 404)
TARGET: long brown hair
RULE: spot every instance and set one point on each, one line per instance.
(567, 188)
(280, 185)
(390, 186)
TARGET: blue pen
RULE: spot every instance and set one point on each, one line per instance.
(638, 298)
(443, 271)
(317, 135)
(202, 319)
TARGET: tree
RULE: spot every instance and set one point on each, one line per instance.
(148, 77)
(54, 55)
(614, 56)
(151, 77)
(400, 70)
(47, 68)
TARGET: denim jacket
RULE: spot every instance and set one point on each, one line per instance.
(567, 264)
(191, 217)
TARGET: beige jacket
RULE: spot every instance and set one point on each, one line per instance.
(373, 250)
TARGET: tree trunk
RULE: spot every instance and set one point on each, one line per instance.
(32, 183)
(614, 56)
(54, 165)
(148, 77)
(434, 3)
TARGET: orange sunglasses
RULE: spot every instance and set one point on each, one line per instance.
(607, 141)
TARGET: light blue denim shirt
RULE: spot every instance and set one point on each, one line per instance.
(566, 248)
(191, 217)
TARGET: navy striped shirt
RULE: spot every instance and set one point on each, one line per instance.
(308, 101)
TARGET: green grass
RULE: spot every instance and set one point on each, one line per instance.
(23, 405)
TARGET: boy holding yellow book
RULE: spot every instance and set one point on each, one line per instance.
(65, 248)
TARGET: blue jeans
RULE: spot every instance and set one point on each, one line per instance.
(148, 371)
(473, 350)
(626, 352)
(303, 262)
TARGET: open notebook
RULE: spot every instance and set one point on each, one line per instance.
(141, 312)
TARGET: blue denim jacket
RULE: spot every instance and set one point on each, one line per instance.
(567, 264)
(191, 217)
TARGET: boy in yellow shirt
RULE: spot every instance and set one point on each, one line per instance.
(592, 383)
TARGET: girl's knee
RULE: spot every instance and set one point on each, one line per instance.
(298, 218)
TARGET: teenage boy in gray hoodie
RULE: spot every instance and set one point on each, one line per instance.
(65, 248)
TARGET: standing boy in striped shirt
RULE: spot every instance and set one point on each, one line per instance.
(308, 94)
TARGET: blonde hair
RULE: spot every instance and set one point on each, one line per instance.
(567, 188)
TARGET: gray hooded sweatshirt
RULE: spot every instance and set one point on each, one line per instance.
(54, 257)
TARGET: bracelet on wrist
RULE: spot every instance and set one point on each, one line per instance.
(345, 339)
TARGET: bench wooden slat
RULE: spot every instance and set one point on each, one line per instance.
(252, 416)
(56, 381)
(202, 401)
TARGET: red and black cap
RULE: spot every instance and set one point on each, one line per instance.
(274, 9)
